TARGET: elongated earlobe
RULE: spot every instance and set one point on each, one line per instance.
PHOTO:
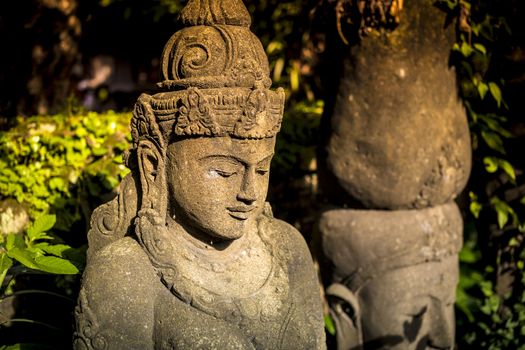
(152, 178)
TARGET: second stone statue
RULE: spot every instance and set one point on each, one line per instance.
(189, 256)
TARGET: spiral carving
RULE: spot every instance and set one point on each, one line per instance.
(195, 60)
(105, 220)
(196, 52)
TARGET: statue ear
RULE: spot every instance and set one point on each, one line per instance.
(152, 176)
(348, 327)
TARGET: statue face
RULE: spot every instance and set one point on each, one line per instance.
(411, 308)
(218, 185)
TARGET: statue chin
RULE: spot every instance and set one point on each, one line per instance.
(215, 232)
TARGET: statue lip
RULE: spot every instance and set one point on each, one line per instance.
(240, 212)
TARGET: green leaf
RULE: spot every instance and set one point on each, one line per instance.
(494, 302)
(14, 241)
(503, 211)
(480, 48)
(482, 89)
(57, 183)
(53, 264)
(294, 78)
(41, 225)
(496, 93)
(278, 69)
(503, 217)
(24, 257)
(57, 249)
(476, 28)
(493, 123)
(10, 241)
(491, 164)
(493, 140)
(467, 67)
(329, 324)
(5, 265)
(100, 151)
(468, 256)
(465, 49)
(475, 209)
(513, 242)
(508, 168)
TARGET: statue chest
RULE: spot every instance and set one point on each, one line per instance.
(259, 316)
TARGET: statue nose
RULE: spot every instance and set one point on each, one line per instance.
(247, 192)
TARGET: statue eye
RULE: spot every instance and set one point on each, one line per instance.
(262, 171)
(221, 167)
(223, 173)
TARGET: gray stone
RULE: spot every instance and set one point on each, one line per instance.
(398, 136)
(396, 271)
(189, 255)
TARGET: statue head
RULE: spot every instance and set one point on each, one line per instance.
(396, 277)
(204, 145)
(422, 315)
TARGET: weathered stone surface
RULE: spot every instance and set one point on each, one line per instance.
(397, 271)
(398, 137)
(189, 255)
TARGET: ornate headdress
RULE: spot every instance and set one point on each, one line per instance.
(216, 80)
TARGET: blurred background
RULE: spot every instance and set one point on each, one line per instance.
(71, 70)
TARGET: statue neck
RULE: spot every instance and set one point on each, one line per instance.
(204, 243)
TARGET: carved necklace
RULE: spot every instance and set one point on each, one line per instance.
(185, 270)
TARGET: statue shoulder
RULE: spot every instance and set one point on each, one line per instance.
(287, 236)
(308, 324)
(121, 267)
(123, 255)
(117, 297)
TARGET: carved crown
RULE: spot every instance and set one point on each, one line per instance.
(215, 80)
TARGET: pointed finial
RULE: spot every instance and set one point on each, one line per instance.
(214, 12)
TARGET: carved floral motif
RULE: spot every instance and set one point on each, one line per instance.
(88, 334)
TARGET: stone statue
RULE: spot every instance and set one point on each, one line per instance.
(396, 153)
(401, 294)
(189, 256)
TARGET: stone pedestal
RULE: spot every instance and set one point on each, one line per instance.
(397, 153)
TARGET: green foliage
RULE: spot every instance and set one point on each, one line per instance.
(494, 321)
(59, 164)
(490, 295)
(63, 166)
(297, 141)
(329, 324)
(283, 27)
(35, 251)
(59, 169)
